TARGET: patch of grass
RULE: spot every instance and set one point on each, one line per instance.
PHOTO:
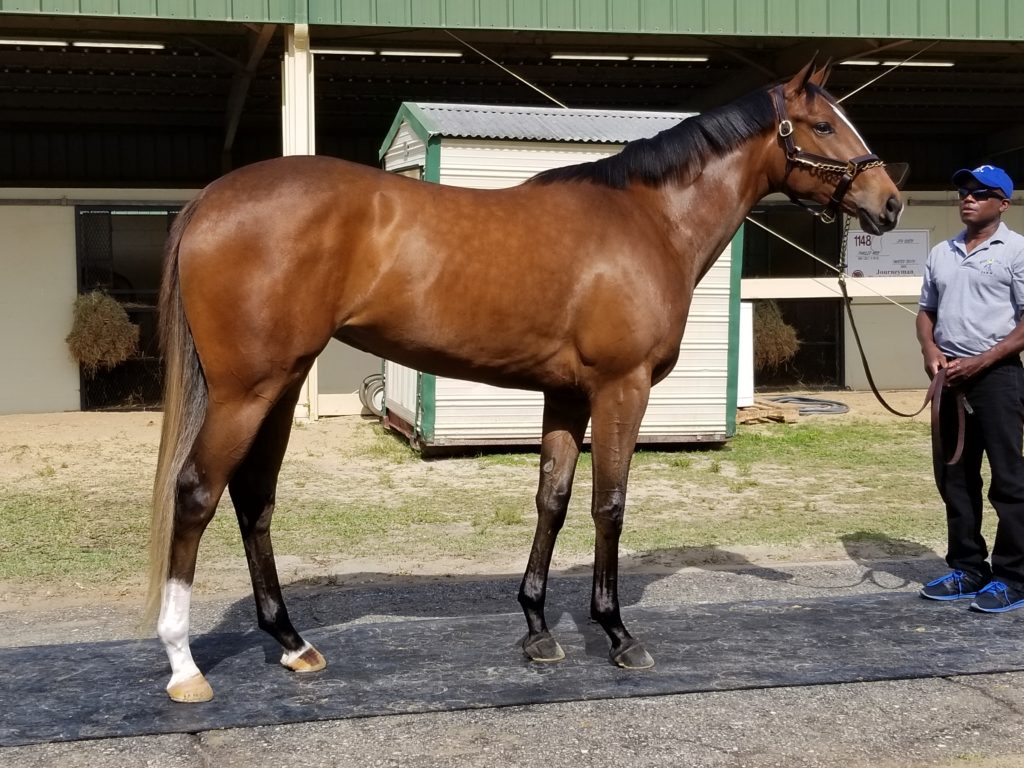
(859, 445)
(851, 484)
(56, 535)
(389, 447)
(508, 516)
(680, 462)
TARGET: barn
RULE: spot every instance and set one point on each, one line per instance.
(114, 112)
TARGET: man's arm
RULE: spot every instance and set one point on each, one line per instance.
(933, 357)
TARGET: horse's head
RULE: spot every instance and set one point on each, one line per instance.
(823, 158)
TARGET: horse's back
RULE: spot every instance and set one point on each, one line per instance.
(286, 253)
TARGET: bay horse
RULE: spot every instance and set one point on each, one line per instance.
(575, 283)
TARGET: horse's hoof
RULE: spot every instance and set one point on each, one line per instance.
(632, 655)
(310, 660)
(191, 691)
(543, 647)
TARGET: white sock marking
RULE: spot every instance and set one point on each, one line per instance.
(172, 629)
(288, 658)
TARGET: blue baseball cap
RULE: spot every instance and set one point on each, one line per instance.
(987, 176)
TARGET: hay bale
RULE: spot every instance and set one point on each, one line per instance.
(101, 335)
(775, 340)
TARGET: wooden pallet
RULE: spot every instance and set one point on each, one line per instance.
(764, 412)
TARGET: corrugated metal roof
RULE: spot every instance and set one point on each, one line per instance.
(912, 19)
(481, 121)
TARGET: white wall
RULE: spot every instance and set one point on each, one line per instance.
(938, 212)
(890, 343)
(38, 285)
(490, 164)
(407, 150)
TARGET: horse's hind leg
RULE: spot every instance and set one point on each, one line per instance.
(253, 491)
(617, 412)
(565, 422)
(223, 440)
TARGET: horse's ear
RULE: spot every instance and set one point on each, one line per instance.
(800, 79)
(820, 76)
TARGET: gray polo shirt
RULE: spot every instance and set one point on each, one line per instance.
(977, 296)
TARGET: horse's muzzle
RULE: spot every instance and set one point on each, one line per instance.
(884, 221)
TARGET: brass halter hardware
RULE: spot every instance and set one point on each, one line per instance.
(847, 170)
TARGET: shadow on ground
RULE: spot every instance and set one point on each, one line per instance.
(324, 602)
(911, 562)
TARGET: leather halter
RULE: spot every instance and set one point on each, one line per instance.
(846, 170)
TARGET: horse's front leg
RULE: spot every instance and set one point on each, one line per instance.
(565, 421)
(617, 411)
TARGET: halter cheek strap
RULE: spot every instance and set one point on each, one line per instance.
(847, 170)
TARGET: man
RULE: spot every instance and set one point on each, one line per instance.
(969, 323)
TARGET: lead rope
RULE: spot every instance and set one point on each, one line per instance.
(934, 394)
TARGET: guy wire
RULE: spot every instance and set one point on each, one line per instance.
(502, 67)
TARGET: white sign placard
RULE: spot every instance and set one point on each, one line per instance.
(894, 254)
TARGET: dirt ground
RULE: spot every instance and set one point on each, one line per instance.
(88, 450)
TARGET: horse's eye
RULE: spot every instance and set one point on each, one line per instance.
(823, 129)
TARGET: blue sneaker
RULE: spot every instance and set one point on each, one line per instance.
(953, 586)
(996, 597)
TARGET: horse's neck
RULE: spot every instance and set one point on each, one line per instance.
(704, 214)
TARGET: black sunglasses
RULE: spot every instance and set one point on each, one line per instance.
(980, 194)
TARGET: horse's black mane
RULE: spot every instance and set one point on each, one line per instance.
(677, 152)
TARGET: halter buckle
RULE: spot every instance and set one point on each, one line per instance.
(785, 128)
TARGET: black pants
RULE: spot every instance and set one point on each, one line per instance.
(996, 428)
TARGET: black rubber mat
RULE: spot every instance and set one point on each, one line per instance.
(71, 692)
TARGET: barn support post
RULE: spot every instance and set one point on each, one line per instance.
(298, 126)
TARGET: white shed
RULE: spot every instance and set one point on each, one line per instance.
(489, 147)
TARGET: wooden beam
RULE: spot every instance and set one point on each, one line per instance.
(258, 42)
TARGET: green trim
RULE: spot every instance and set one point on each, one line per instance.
(732, 387)
(432, 169)
(426, 407)
(418, 122)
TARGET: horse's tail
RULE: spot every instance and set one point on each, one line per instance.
(185, 399)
